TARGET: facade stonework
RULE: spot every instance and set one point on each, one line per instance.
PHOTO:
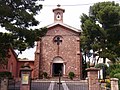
(58, 50)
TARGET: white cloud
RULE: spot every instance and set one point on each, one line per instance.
(71, 16)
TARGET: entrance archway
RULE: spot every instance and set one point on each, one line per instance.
(58, 66)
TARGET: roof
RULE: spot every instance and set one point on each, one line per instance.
(59, 8)
(64, 25)
(14, 53)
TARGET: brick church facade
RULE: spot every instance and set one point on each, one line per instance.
(59, 50)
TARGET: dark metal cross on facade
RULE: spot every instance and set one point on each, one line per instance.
(58, 40)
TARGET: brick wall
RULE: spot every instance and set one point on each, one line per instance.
(21, 63)
(12, 63)
(69, 50)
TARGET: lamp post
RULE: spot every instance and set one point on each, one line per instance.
(59, 83)
(103, 68)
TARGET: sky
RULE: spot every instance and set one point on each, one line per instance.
(73, 11)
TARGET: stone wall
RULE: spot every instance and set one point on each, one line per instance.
(69, 50)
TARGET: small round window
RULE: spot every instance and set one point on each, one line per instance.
(57, 39)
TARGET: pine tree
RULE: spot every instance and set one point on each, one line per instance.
(101, 30)
(17, 16)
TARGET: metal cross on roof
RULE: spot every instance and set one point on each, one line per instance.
(58, 40)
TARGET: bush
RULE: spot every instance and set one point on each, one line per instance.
(71, 75)
(114, 71)
(108, 83)
(117, 75)
(5, 74)
(101, 65)
(45, 74)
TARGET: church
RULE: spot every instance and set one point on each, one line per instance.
(59, 50)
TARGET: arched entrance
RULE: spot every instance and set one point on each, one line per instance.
(58, 66)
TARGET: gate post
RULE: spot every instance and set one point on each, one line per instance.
(4, 84)
(114, 84)
(93, 83)
(25, 77)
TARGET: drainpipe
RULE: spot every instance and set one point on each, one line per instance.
(40, 55)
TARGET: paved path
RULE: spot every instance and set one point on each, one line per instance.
(56, 86)
(53, 85)
(65, 86)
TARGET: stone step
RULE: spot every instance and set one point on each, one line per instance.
(57, 80)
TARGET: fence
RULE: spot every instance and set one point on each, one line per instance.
(13, 85)
(55, 85)
(0, 83)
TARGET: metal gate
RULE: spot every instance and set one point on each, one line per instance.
(13, 85)
(0, 82)
(55, 85)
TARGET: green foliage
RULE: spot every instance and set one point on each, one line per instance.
(17, 17)
(117, 75)
(5, 40)
(18, 14)
(114, 72)
(108, 85)
(101, 65)
(71, 75)
(5, 74)
(113, 69)
(45, 75)
(101, 30)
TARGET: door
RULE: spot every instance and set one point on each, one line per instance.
(57, 68)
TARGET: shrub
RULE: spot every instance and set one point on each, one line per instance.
(5, 74)
(113, 67)
(107, 83)
(114, 72)
(101, 65)
(71, 75)
(45, 74)
(117, 75)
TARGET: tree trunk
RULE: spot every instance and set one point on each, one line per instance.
(104, 60)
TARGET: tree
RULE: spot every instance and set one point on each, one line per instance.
(17, 16)
(101, 31)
